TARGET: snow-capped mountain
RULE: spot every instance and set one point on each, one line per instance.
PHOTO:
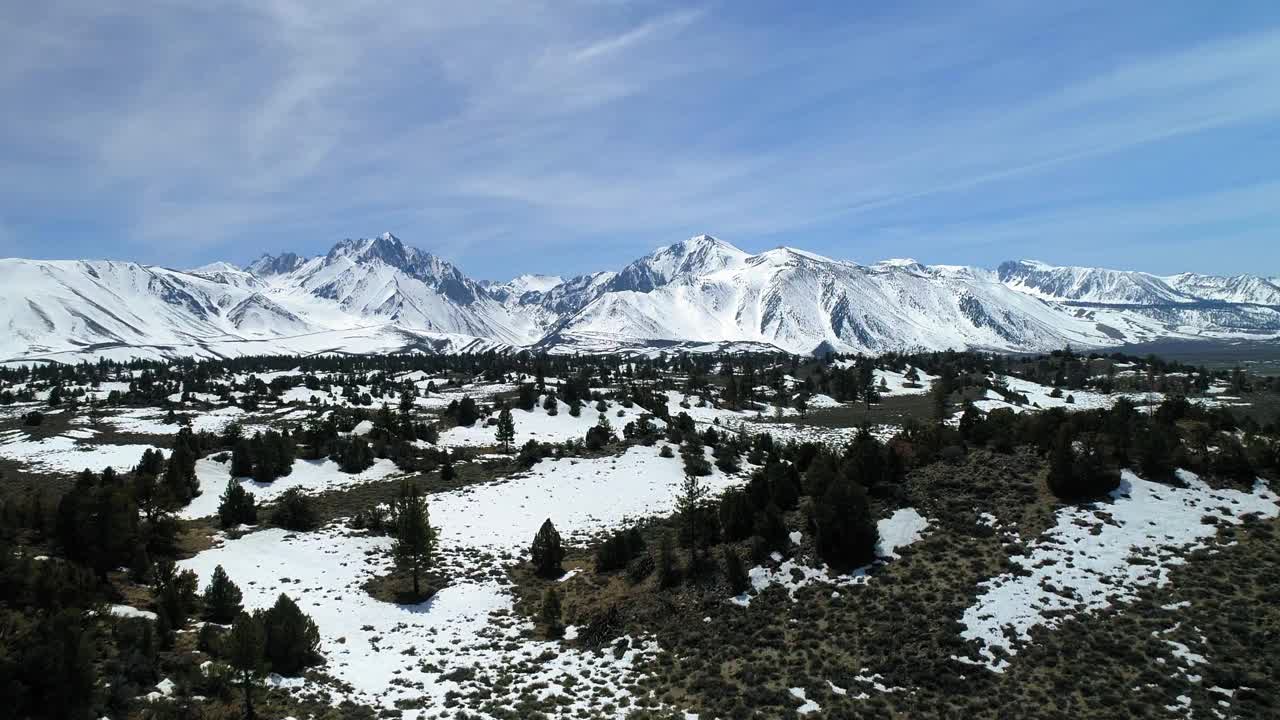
(796, 300)
(1084, 284)
(1231, 289)
(381, 295)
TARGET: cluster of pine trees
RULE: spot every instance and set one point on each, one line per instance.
(264, 457)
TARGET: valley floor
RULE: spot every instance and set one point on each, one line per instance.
(987, 595)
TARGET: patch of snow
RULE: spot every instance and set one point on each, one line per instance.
(1084, 562)
(900, 529)
(126, 611)
(469, 623)
(310, 475)
(807, 706)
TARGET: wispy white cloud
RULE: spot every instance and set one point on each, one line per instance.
(188, 130)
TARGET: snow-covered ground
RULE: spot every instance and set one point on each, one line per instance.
(62, 453)
(310, 475)
(902, 528)
(538, 425)
(1086, 558)
(384, 650)
(1040, 397)
(896, 383)
(148, 421)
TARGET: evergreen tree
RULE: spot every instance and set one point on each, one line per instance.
(695, 461)
(294, 511)
(1062, 459)
(771, 528)
(547, 551)
(734, 572)
(291, 640)
(467, 412)
(180, 471)
(736, 515)
(845, 533)
(245, 647)
(728, 457)
(354, 455)
(236, 506)
(241, 459)
(415, 540)
(506, 433)
(446, 466)
(689, 505)
(549, 613)
(221, 598)
(668, 575)
(526, 399)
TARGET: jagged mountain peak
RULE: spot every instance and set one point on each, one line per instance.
(214, 267)
(699, 290)
(788, 255)
(269, 264)
(699, 255)
(1087, 284)
(385, 248)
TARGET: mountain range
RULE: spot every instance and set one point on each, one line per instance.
(381, 295)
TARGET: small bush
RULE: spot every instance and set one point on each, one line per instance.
(294, 511)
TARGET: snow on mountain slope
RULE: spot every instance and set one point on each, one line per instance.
(1083, 284)
(274, 264)
(799, 301)
(696, 256)
(379, 295)
(372, 295)
(77, 304)
(228, 274)
(522, 284)
(1232, 289)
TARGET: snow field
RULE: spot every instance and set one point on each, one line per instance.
(902, 528)
(310, 475)
(1086, 557)
(389, 652)
(537, 425)
(62, 453)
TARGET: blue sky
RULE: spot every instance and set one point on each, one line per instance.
(570, 136)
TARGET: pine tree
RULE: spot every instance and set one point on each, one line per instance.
(547, 551)
(846, 535)
(734, 573)
(294, 511)
(354, 456)
(736, 515)
(415, 541)
(241, 459)
(1062, 464)
(728, 457)
(221, 598)
(236, 506)
(68, 658)
(446, 466)
(245, 648)
(526, 398)
(291, 638)
(667, 573)
(689, 506)
(550, 613)
(467, 412)
(695, 461)
(506, 433)
(180, 471)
